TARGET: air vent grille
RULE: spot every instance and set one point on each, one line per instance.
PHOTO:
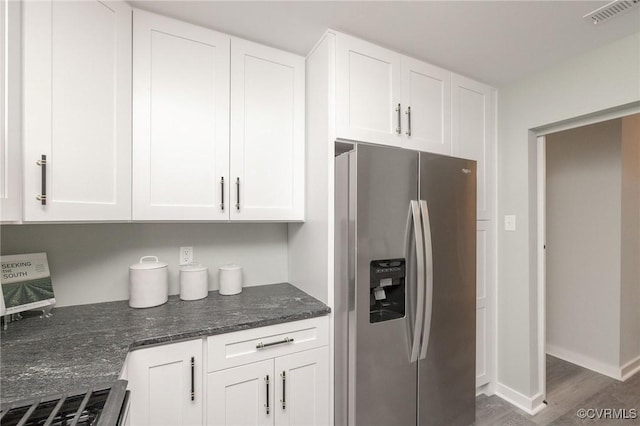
(610, 10)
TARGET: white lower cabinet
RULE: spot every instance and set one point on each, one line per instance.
(166, 384)
(239, 396)
(274, 375)
(302, 388)
(287, 390)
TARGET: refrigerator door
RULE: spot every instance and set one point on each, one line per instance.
(382, 380)
(446, 369)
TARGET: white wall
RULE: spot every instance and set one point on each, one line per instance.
(90, 263)
(583, 169)
(630, 227)
(597, 80)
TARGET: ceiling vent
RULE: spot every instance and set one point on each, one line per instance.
(610, 10)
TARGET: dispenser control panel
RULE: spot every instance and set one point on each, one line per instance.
(387, 289)
(386, 272)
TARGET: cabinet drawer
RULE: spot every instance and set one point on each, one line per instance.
(242, 347)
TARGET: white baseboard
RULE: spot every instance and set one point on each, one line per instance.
(486, 389)
(630, 368)
(530, 405)
(585, 361)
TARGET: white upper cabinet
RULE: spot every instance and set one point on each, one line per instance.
(181, 120)
(426, 104)
(472, 135)
(386, 98)
(368, 94)
(267, 133)
(218, 126)
(10, 159)
(77, 110)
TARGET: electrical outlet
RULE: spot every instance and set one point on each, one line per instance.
(186, 255)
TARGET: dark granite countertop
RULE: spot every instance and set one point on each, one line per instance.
(81, 346)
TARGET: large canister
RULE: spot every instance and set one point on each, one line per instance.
(148, 283)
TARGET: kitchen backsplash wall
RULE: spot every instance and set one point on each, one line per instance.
(89, 263)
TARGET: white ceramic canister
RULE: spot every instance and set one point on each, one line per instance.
(230, 279)
(194, 282)
(148, 283)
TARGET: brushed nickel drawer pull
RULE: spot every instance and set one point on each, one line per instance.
(266, 345)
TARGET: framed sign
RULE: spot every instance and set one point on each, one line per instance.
(25, 283)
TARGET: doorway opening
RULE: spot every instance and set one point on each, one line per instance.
(588, 251)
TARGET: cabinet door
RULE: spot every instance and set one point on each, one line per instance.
(166, 384)
(77, 110)
(485, 285)
(367, 92)
(180, 120)
(426, 103)
(302, 388)
(10, 169)
(473, 136)
(267, 133)
(241, 396)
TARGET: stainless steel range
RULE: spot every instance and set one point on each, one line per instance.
(101, 406)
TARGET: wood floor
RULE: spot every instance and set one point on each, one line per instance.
(569, 388)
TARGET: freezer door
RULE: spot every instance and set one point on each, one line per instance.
(382, 379)
(446, 369)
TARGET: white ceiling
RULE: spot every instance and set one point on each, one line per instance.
(496, 42)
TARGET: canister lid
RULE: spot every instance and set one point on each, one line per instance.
(192, 267)
(230, 267)
(145, 264)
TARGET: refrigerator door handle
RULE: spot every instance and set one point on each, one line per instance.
(414, 212)
(428, 248)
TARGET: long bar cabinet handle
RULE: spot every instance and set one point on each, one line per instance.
(238, 193)
(222, 193)
(408, 121)
(399, 128)
(266, 380)
(280, 342)
(43, 193)
(193, 390)
(284, 387)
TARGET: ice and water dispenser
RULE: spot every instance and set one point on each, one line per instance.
(387, 287)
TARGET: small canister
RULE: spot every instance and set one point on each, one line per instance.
(194, 282)
(230, 279)
(148, 283)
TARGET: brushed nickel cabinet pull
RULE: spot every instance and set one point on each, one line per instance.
(284, 386)
(266, 380)
(193, 390)
(238, 194)
(43, 194)
(399, 128)
(222, 193)
(408, 121)
(266, 345)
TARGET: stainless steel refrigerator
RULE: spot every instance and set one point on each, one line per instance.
(404, 288)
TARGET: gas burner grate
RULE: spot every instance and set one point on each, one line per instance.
(97, 406)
